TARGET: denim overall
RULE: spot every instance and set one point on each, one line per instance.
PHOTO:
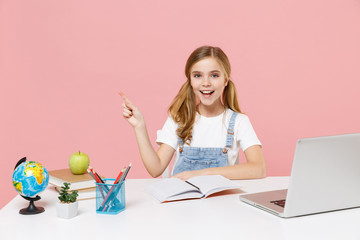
(196, 158)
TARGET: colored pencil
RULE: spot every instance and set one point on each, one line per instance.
(112, 188)
(98, 179)
(91, 172)
(92, 175)
(119, 176)
(125, 173)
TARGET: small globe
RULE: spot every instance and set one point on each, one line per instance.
(30, 178)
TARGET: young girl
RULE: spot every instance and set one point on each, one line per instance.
(205, 129)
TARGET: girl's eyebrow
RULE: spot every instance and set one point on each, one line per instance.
(213, 71)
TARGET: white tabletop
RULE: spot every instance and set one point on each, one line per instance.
(220, 217)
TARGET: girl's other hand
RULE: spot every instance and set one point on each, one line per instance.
(131, 113)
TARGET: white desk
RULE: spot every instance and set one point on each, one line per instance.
(222, 217)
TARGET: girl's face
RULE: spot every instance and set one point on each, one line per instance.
(208, 81)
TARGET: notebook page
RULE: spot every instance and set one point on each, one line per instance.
(166, 188)
(213, 183)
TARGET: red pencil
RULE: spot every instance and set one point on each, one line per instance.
(91, 174)
(119, 176)
(95, 175)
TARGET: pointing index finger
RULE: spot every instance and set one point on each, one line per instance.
(121, 94)
(126, 100)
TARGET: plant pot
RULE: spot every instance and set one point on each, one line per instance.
(67, 210)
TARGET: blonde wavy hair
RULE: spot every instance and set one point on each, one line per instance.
(183, 107)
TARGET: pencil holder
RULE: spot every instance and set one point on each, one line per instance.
(110, 197)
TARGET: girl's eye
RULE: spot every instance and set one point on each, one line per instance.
(215, 75)
(197, 75)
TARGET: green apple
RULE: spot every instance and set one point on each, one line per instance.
(79, 163)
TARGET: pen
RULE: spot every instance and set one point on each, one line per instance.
(192, 185)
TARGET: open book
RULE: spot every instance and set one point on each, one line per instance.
(172, 189)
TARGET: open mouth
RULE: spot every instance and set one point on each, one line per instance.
(207, 93)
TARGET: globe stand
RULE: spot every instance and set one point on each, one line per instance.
(32, 209)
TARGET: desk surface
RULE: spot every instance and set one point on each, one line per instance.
(220, 217)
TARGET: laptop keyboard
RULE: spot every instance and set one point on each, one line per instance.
(280, 203)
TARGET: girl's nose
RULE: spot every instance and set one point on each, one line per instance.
(206, 81)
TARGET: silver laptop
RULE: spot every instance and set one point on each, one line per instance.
(325, 177)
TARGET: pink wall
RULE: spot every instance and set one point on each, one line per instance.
(295, 63)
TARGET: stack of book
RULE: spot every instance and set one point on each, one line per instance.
(84, 183)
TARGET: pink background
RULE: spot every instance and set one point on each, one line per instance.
(295, 63)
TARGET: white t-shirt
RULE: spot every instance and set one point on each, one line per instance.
(211, 132)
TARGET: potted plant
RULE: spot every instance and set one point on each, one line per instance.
(68, 206)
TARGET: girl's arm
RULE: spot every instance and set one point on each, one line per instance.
(253, 168)
(155, 162)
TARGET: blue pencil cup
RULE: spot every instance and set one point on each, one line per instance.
(110, 197)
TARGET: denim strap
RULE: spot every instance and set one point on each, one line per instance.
(229, 135)
(230, 131)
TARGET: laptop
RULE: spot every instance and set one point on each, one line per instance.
(325, 177)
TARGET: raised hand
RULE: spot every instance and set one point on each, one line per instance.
(131, 113)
